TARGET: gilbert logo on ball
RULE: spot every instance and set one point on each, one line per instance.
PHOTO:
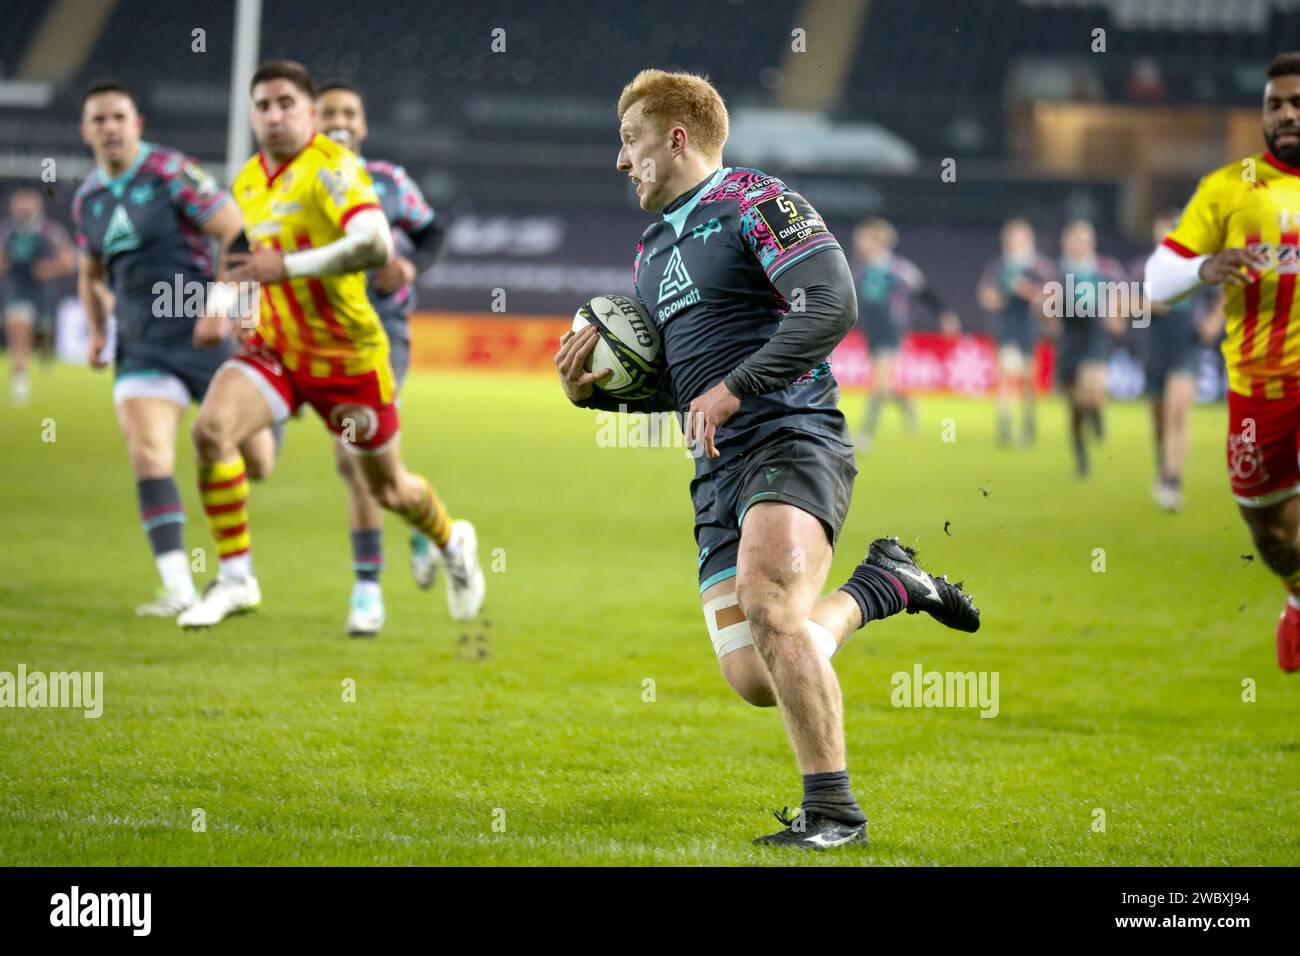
(629, 345)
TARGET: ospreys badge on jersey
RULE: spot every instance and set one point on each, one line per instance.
(204, 185)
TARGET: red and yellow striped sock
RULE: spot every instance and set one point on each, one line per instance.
(224, 490)
(429, 515)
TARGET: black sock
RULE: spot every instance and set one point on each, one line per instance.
(368, 553)
(1098, 426)
(1076, 431)
(878, 593)
(162, 513)
(1004, 426)
(828, 795)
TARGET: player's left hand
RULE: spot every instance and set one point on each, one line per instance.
(949, 324)
(263, 264)
(706, 414)
(399, 272)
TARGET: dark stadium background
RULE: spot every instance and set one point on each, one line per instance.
(516, 149)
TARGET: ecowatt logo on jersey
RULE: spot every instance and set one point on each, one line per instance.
(675, 281)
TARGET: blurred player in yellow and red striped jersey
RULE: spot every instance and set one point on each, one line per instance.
(320, 325)
(1241, 230)
(341, 115)
(315, 226)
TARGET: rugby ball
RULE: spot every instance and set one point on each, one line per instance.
(629, 344)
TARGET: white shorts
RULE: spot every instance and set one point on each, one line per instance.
(151, 385)
(20, 312)
(1011, 360)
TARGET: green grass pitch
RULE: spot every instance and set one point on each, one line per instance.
(1120, 691)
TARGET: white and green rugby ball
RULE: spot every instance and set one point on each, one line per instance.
(629, 344)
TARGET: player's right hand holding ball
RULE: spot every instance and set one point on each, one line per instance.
(1225, 268)
(570, 361)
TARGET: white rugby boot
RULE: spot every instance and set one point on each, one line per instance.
(465, 583)
(222, 598)
(365, 611)
(424, 561)
(166, 604)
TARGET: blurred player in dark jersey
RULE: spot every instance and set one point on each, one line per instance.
(34, 253)
(1086, 335)
(886, 285)
(341, 112)
(147, 218)
(775, 469)
(1171, 348)
(1012, 289)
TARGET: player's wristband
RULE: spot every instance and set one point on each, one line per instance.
(365, 233)
(1169, 276)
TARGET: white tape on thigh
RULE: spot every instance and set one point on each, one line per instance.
(823, 638)
(735, 636)
(732, 637)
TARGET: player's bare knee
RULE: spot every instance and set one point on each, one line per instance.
(764, 580)
(210, 436)
(755, 598)
(772, 625)
(1275, 543)
(388, 493)
(150, 461)
(767, 600)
